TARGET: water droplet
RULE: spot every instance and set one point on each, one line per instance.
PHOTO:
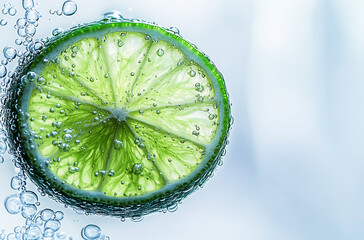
(57, 31)
(69, 8)
(118, 144)
(12, 11)
(67, 137)
(138, 168)
(3, 71)
(91, 232)
(16, 183)
(12, 204)
(160, 52)
(172, 208)
(137, 219)
(192, 73)
(211, 116)
(199, 87)
(158, 111)
(3, 22)
(47, 214)
(113, 15)
(27, 4)
(31, 16)
(9, 53)
(28, 197)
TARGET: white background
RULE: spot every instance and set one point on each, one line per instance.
(294, 168)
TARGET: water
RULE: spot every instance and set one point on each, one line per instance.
(45, 223)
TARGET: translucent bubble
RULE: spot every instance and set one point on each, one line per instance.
(21, 22)
(28, 197)
(61, 235)
(69, 8)
(137, 219)
(30, 30)
(90, 232)
(113, 15)
(21, 32)
(59, 215)
(47, 214)
(12, 236)
(172, 208)
(12, 11)
(57, 31)
(3, 72)
(33, 233)
(3, 146)
(27, 4)
(16, 183)
(175, 30)
(12, 204)
(9, 53)
(48, 232)
(192, 73)
(118, 144)
(1, 159)
(18, 41)
(160, 52)
(31, 16)
(53, 224)
(3, 22)
(28, 211)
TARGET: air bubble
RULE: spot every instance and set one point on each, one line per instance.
(27, 4)
(28, 211)
(31, 16)
(33, 233)
(91, 232)
(175, 30)
(28, 197)
(12, 11)
(47, 214)
(55, 225)
(59, 215)
(192, 73)
(69, 8)
(118, 144)
(13, 204)
(113, 15)
(9, 53)
(48, 233)
(3, 71)
(18, 41)
(30, 30)
(57, 31)
(16, 183)
(3, 22)
(160, 52)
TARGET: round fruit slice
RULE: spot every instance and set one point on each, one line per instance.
(119, 118)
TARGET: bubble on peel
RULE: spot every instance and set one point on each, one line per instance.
(13, 204)
(160, 52)
(31, 16)
(69, 8)
(9, 53)
(91, 232)
(27, 4)
(3, 22)
(3, 71)
(113, 15)
(174, 29)
(57, 31)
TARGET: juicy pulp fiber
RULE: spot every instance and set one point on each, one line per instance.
(123, 114)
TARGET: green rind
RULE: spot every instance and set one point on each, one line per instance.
(97, 203)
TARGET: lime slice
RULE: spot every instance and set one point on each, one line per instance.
(119, 118)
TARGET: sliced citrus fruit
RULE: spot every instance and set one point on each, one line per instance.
(119, 118)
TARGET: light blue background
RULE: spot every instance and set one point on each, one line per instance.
(294, 168)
